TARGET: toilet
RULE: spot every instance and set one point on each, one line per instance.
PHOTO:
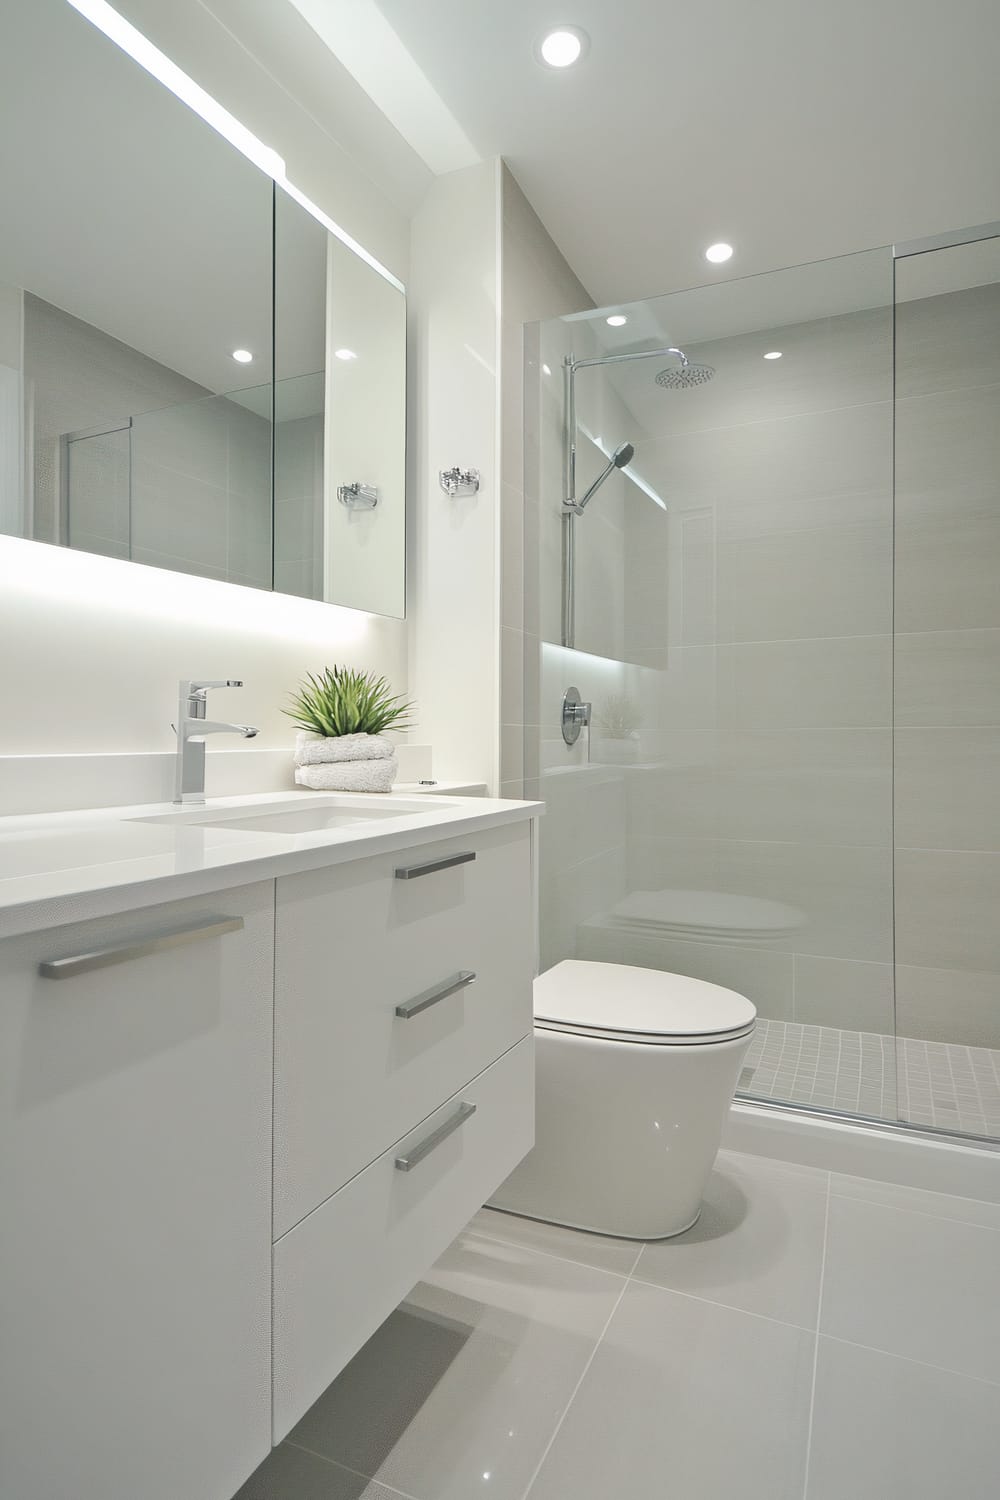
(635, 1072)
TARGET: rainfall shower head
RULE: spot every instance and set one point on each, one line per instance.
(684, 376)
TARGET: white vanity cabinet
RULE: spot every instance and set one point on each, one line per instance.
(135, 1115)
(236, 1128)
(403, 1081)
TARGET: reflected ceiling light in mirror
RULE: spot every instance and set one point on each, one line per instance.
(718, 253)
(773, 354)
(126, 36)
(617, 320)
(562, 47)
(242, 356)
(142, 51)
(546, 370)
(344, 354)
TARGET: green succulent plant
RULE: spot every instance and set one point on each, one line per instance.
(340, 702)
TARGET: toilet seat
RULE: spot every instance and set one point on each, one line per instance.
(619, 1003)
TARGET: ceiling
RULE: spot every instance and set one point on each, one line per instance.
(794, 129)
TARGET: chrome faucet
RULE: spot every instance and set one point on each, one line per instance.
(192, 727)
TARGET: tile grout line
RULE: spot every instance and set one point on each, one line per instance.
(576, 1389)
(905, 1208)
(743, 1312)
(819, 1316)
(336, 1464)
(908, 1359)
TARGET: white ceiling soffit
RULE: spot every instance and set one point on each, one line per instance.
(282, 42)
(362, 39)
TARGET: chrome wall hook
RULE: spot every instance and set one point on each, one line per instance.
(457, 481)
(358, 496)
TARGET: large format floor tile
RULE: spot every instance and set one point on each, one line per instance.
(913, 1284)
(469, 1377)
(918, 1200)
(757, 1246)
(889, 1429)
(520, 1370)
(597, 1250)
(685, 1398)
(292, 1474)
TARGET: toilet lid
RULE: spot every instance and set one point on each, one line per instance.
(618, 1002)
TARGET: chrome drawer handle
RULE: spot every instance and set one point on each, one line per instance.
(416, 1156)
(431, 997)
(121, 953)
(430, 866)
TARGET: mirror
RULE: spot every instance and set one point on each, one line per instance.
(135, 258)
(139, 413)
(340, 420)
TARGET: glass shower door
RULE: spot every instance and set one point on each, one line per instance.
(947, 683)
(730, 815)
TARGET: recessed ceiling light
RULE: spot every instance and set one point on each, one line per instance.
(563, 47)
(242, 356)
(718, 253)
(546, 370)
(345, 354)
(617, 321)
(773, 354)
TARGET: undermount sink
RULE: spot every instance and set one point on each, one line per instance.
(294, 817)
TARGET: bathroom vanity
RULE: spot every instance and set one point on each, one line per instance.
(261, 1062)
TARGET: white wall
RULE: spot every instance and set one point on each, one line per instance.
(94, 649)
(453, 359)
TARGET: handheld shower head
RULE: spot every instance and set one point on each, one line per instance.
(622, 455)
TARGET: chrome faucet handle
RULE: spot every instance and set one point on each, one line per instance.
(196, 689)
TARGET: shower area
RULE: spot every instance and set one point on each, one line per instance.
(762, 541)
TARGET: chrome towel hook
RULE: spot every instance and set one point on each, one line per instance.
(458, 481)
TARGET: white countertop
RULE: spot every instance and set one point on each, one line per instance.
(69, 866)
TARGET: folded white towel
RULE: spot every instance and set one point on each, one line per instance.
(349, 776)
(322, 750)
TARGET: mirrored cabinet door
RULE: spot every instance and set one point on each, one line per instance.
(135, 331)
(340, 420)
(195, 374)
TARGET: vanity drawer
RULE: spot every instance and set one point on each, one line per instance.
(341, 1272)
(355, 944)
(135, 1133)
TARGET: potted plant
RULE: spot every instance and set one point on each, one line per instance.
(618, 740)
(342, 718)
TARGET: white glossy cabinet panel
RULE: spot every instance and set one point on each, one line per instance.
(135, 1114)
(339, 1273)
(353, 943)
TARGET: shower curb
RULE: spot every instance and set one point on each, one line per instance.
(885, 1153)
